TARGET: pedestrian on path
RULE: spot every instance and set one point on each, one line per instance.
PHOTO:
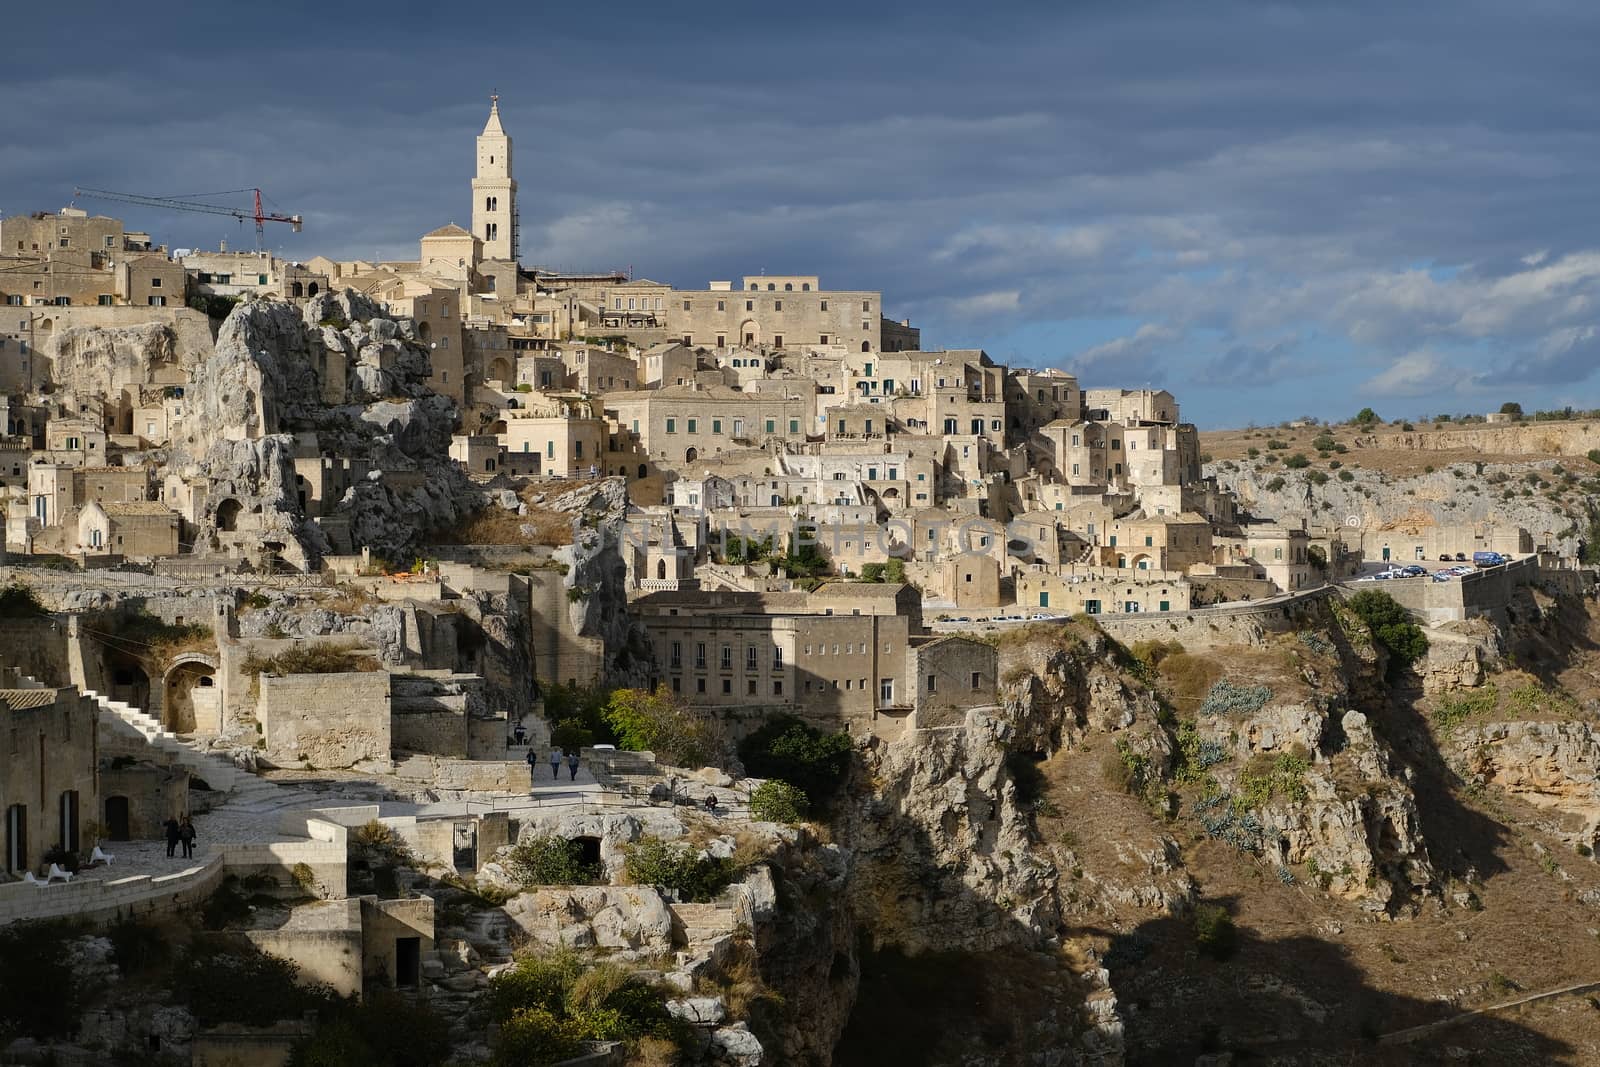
(555, 763)
(533, 765)
(186, 835)
(572, 765)
(171, 827)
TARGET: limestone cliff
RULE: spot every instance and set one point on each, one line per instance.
(339, 382)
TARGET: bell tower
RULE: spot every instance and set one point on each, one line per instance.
(494, 190)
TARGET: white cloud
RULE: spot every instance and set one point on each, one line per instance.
(1413, 374)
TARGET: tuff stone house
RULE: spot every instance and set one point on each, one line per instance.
(48, 783)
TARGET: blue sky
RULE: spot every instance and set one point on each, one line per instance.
(1272, 209)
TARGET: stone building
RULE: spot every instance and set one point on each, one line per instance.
(682, 423)
(781, 312)
(48, 784)
(1101, 591)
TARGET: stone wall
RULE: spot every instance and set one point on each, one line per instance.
(1220, 626)
(561, 655)
(38, 648)
(383, 923)
(1482, 593)
(325, 720)
(112, 898)
(324, 939)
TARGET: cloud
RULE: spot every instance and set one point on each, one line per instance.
(1177, 166)
(1413, 374)
(1127, 360)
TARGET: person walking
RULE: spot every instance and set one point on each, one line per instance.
(171, 827)
(533, 766)
(186, 835)
(572, 765)
(555, 763)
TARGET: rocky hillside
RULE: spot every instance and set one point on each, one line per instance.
(1545, 498)
(340, 370)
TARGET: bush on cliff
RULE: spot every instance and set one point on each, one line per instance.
(1391, 626)
(547, 1005)
(778, 801)
(802, 755)
(551, 860)
(696, 879)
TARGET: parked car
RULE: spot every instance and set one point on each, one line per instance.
(1489, 559)
(1461, 557)
(1040, 616)
(1414, 571)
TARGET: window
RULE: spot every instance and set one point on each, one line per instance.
(777, 340)
(750, 687)
(104, 301)
(158, 301)
(727, 657)
(886, 690)
(692, 425)
(727, 686)
(672, 425)
(749, 305)
(1091, 607)
(716, 425)
(824, 305)
(777, 687)
(155, 283)
(866, 305)
(933, 683)
(750, 657)
(777, 305)
(976, 678)
(794, 425)
(777, 657)
(772, 425)
(699, 685)
(700, 655)
(722, 305)
(722, 340)
(686, 305)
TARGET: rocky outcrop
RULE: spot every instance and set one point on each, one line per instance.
(597, 578)
(1454, 495)
(99, 361)
(337, 380)
(631, 919)
(943, 851)
(1551, 765)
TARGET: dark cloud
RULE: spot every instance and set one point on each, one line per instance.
(1400, 179)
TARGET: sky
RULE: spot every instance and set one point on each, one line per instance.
(1273, 210)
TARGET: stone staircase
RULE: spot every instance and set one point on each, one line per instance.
(244, 789)
(701, 924)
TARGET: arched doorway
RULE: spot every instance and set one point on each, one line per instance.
(866, 346)
(661, 568)
(691, 455)
(228, 515)
(424, 332)
(296, 290)
(129, 681)
(644, 472)
(312, 291)
(192, 701)
(500, 370)
(750, 332)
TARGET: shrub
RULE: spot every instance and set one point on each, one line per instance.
(1275, 485)
(550, 860)
(1346, 476)
(1214, 933)
(778, 801)
(547, 1005)
(1298, 461)
(1594, 456)
(244, 985)
(382, 1030)
(1252, 452)
(137, 946)
(694, 878)
(1228, 698)
(41, 995)
(656, 722)
(311, 659)
(798, 753)
(1365, 418)
(19, 601)
(1457, 710)
(1317, 478)
(1276, 445)
(1391, 626)
(1323, 442)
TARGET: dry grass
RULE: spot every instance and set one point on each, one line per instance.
(312, 659)
(497, 526)
(1400, 462)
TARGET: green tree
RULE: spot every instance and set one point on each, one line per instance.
(655, 722)
(1512, 408)
(1391, 626)
(798, 753)
(695, 878)
(550, 860)
(1366, 417)
(778, 801)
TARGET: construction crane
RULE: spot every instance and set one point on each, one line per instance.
(174, 203)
